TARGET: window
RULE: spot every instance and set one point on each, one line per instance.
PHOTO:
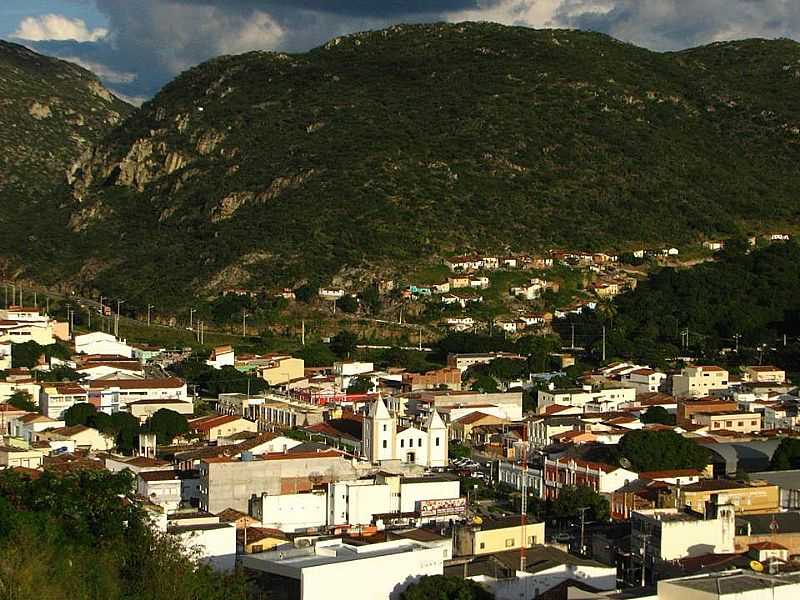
(509, 542)
(728, 423)
(402, 443)
(483, 545)
(257, 548)
(437, 440)
(384, 444)
(419, 443)
(384, 426)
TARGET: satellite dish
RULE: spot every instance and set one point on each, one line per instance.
(625, 463)
(756, 566)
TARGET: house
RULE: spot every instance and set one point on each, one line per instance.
(112, 395)
(462, 362)
(13, 385)
(30, 424)
(118, 369)
(507, 326)
(14, 457)
(458, 281)
(162, 488)
(764, 374)
(56, 398)
(204, 537)
(460, 323)
(280, 370)
(448, 377)
(645, 380)
(385, 442)
(713, 245)
(533, 290)
(5, 356)
(144, 409)
(83, 437)
(737, 421)
(212, 427)
(464, 263)
(699, 381)
(222, 356)
(98, 342)
(318, 571)
(603, 400)
(688, 410)
(331, 293)
(440, 288)
(480, 283)
(461, 428)
(252, 540)
(605, 290)
(501, 534)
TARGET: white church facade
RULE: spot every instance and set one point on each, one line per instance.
(384, 442)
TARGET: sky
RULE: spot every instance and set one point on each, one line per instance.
(136, 46)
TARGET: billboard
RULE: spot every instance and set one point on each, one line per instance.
(441, 508)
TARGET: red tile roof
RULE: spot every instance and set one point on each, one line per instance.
(208, 423)
(137, 384)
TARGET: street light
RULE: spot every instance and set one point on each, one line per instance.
(149, 306)
(116, 324)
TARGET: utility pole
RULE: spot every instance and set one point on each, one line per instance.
(645, 536)
(401, 314)
(420, 338)
(582, 510)
(604, 343)
(47, 300)
(89, 313)
(35, 299)
(736, 338)
(149, 308)
(572, 340)
(303, 332)
(523, 508)
(116, 323)
(244, 323)
(191, 317)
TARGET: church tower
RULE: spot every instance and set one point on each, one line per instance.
(379, 431)
(437, 440)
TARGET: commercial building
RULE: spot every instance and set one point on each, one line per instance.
(462, 362)
(600, 477)
(98, 342)
(487, 536)
(229, 482)
(335, 569)
(788, 483)
(764, 374)
(746, 498)
(665, 534)
(700, 381)
(361, 502)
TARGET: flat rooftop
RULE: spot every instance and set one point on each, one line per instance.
(292, 561)
(735, 583)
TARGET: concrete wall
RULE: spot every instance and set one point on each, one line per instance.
(412, 493)
(291, 512)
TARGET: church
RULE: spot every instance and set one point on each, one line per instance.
(384, 442)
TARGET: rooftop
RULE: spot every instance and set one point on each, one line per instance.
(735, 583)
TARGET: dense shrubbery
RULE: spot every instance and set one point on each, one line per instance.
(82, 536)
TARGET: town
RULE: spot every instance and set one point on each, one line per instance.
(622, 481)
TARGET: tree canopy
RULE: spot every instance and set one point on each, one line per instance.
(786, 456)
(572, 498)
(79, 414)
(658, 414)
(439, 587)
(167, 424)
(22, 400)
(659, 450)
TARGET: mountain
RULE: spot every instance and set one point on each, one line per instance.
(52, 112)
(383, 148)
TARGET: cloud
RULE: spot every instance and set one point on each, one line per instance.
(102, 71)
(156, 39)
(57, 27)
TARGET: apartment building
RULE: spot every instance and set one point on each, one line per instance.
(737, 421)
(700, 381)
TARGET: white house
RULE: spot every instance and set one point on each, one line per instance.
(383, 442)
(645, 380)
(98, 342)
(222, 356)
(208, 540)
(111, 395)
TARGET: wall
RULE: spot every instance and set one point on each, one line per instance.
(745, 500)
(412, 493)
(215, 547)
(527, 585)
(291, 512)
(507, 538)
(379, 577)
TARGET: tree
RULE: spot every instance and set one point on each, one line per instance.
(125, 429)
(305, 293)
(359, 385)
(507, 369)
(439, 587)
(344, 343)
(458, 450)
(23, 401)
(348, 304)
(659, 450)
(786, 456)
(79, 414)
(484, 383)
(572, 498)
(26, 355)
(658, 414)
(167, 424)
(316, 355)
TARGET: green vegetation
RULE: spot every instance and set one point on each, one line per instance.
(23, 401)
(750, 295)
(571, 498)
(79, 414)
(395, 147)
(659, 450)
(458, 450)
(167, 425)
(787, 455)
(658, 414)
(83, 536)
(439, 587)
(29, 354)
